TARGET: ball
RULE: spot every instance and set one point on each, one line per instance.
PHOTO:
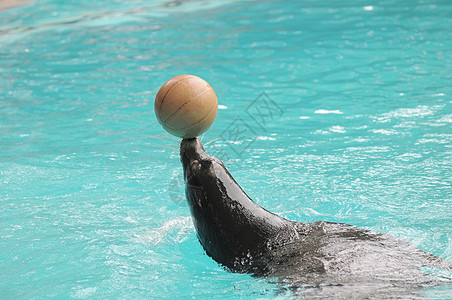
(186, 106)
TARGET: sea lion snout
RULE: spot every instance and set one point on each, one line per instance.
(190, 150)
(196, 162)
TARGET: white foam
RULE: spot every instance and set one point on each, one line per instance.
(419, 111)
(266, 138)
(324, 112)
(172, 231)
(130, 220)
(446, 119)
(337, 129)
(384, 131)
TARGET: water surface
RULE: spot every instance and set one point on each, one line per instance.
(337, 111)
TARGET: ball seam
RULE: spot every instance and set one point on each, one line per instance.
(185, 103)
(194, 124)
(200, 120)
(173, 86)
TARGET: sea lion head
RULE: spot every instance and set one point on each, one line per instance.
(205, 193)
(197, 164)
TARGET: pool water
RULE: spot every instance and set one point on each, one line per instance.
(338, 111)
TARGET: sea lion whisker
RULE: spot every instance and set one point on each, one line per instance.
(209, 142)
(170, 147)
(175, 143)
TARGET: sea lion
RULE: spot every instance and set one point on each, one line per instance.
(244, 237)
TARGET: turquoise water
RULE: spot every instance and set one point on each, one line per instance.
(328, 111)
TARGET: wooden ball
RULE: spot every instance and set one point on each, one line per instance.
(186, 106)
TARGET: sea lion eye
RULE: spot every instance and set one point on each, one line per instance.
(206, 164)
(194, 166)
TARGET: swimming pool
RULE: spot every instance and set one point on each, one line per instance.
(328, 111)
